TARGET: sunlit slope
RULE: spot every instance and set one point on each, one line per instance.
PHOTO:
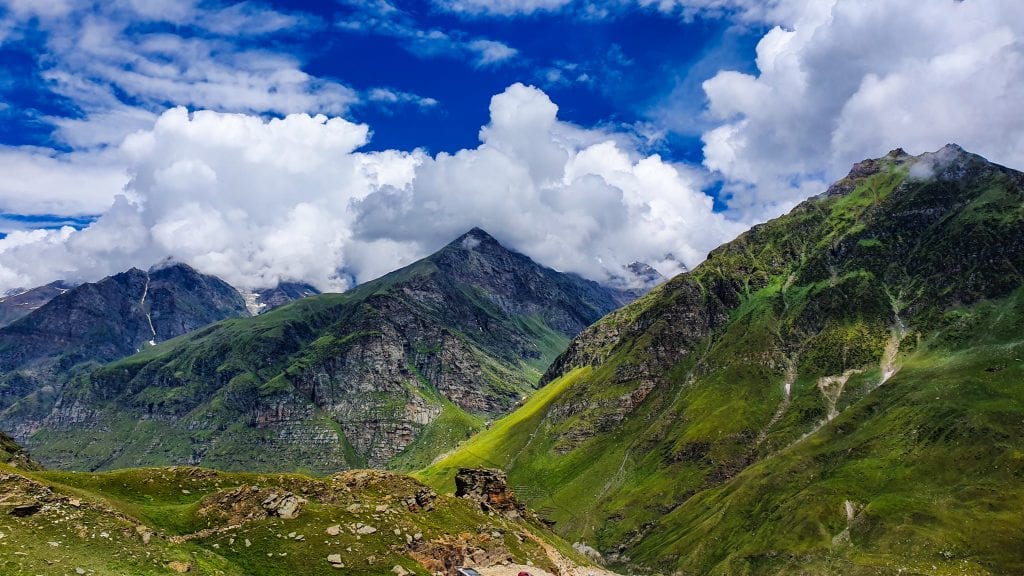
(720, 424)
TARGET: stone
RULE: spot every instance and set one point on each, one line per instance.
(79, 570)
(286, 506)
(179, 567)
(400, 571)
(333, 530)
(23, 510)
(334, 558)
(365, 529)
(488, 487)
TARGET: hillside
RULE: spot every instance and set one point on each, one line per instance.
(160, 521)
(395, 372)
(835, 391)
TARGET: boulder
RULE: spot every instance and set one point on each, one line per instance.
(489, 487)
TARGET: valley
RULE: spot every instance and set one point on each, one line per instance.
(834, 391)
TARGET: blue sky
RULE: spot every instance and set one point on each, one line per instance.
(331, 141)
(620, 70)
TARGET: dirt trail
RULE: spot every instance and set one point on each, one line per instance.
(564, 566)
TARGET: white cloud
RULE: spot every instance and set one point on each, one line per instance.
(848, 79)
(40, 181)
(500, 7)
(574, 199)
(383, 18)
(491, 51)
(122, 62)
(392, 97)
(254, 201)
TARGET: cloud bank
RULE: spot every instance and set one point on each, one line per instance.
(842, 80)
(255, 201)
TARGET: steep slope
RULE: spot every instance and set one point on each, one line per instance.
(25, 302)
(397, 370)
(837, 390)
(160, 521)
(13, 455)
(107, 320)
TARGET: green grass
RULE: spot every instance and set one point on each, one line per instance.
(96, 522)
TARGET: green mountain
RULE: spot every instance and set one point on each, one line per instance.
(395, 372)
(837, 391)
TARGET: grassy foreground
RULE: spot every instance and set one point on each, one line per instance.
(164, 520)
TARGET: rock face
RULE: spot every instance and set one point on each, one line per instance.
(397, 370)
(107, 320)
(715, 425)
(489, 487)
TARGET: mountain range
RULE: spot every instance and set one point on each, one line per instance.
(836, 391)
(393, 372)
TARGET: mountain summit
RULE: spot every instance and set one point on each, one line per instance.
(396, 370)
(837, 389)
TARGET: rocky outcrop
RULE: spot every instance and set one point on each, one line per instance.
(488, 487)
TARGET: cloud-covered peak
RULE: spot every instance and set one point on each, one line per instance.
(258, 201)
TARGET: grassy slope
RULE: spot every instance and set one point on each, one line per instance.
(102, 531)
(812, 294)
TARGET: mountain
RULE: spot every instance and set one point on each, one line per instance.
(107, 320)
(21, 303)
(159, 521)
(395, 371)
(836, 391)
(283, 293)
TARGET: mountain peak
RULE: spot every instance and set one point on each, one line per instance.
(474, 238)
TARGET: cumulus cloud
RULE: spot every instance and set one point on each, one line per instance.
(578, 200)
(255, 201)
(40, 181)
(842, 80)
